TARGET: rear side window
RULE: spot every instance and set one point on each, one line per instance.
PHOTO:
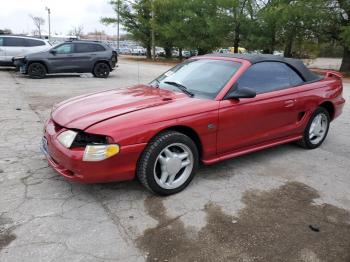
(295, 79)
(1, 41)
(99, 48)
(14, 41)
(84, 48)
(33, 42)
(266, 77)
(88, 47)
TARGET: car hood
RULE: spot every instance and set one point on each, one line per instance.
(84, 111)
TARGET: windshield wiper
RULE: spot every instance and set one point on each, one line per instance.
(181, 87)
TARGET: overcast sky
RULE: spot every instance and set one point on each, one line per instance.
(14, 14)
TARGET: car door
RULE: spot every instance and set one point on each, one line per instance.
(272, 114)
(13, 46)
(61, 59)
(84, 56)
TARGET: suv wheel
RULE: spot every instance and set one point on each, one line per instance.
(101, 70)
(168, 164)
(37, 70)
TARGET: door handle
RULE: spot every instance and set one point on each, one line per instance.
(289, 103)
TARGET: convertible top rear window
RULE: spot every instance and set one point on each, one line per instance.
(202, 77)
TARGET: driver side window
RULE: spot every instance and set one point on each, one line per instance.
(64, 49)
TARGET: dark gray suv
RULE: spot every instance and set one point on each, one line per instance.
(70, 57)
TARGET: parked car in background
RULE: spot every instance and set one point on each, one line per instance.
(125, 51)
(279, 53)
(139, 51)
(70, 57)
(209, 109)
(11, 46)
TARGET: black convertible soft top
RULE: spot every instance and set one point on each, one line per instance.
(296, 64)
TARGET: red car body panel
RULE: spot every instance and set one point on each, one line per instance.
(131, 117)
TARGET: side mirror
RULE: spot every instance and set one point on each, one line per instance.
(242, 92)
(53, 51)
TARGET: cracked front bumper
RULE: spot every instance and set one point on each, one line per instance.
(69, 163)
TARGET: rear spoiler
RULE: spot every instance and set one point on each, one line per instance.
(328, 73)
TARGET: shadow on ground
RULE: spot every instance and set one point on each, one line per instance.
(274, 226)
(6, 235)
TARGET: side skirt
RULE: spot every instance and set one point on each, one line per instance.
(250, 149)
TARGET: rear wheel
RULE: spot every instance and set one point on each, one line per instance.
(168, 164)
(316, 130)
(37, 70)
(101, 70)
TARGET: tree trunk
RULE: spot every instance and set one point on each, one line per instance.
(149, 52)
(180, 54)
(236, 40)
(345, 66)
(288, 50)
(288, 47)
(168, 53)
(202, 51)
(273, 43)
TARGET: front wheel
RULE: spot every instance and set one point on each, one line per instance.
(168, 164)
(101, 70)
(37, 71)
(316, 130)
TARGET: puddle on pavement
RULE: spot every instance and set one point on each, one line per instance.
(6, 236)
(274, 226)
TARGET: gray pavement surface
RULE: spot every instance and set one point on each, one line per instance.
(280, 204)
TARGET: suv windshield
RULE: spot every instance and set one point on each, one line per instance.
(202, 77)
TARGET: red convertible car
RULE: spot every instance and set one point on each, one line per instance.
(207, 109)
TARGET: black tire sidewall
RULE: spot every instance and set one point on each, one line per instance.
(306, 138)
(153, 150)
(95, 68)
(36, 76)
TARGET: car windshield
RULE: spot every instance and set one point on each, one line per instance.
(203, 77)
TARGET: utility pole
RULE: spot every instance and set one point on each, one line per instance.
(153, 37)
(118, 26)
(49, 14)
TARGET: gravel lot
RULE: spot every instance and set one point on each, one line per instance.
(257, 207)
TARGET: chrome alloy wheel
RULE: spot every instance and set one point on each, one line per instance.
(173, 166)
(318, 128)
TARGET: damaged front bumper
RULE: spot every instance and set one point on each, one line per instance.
(20, 63)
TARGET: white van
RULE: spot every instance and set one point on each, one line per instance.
(11, 46)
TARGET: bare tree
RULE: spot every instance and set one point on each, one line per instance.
(38, 22)
(77, 31)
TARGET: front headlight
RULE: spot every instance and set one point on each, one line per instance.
(66, 138)
(100, 152)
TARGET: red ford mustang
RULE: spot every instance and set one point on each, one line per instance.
(206, 109)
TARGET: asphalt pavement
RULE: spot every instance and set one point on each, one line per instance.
(279, 204)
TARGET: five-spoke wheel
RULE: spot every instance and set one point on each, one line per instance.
(173, 166)
(316, 130)
(168, 163)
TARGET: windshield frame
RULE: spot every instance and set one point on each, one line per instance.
(219, 95)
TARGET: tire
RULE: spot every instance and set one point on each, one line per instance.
(101, 70)
(177, 169)
(311, 140)
(37, 71)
